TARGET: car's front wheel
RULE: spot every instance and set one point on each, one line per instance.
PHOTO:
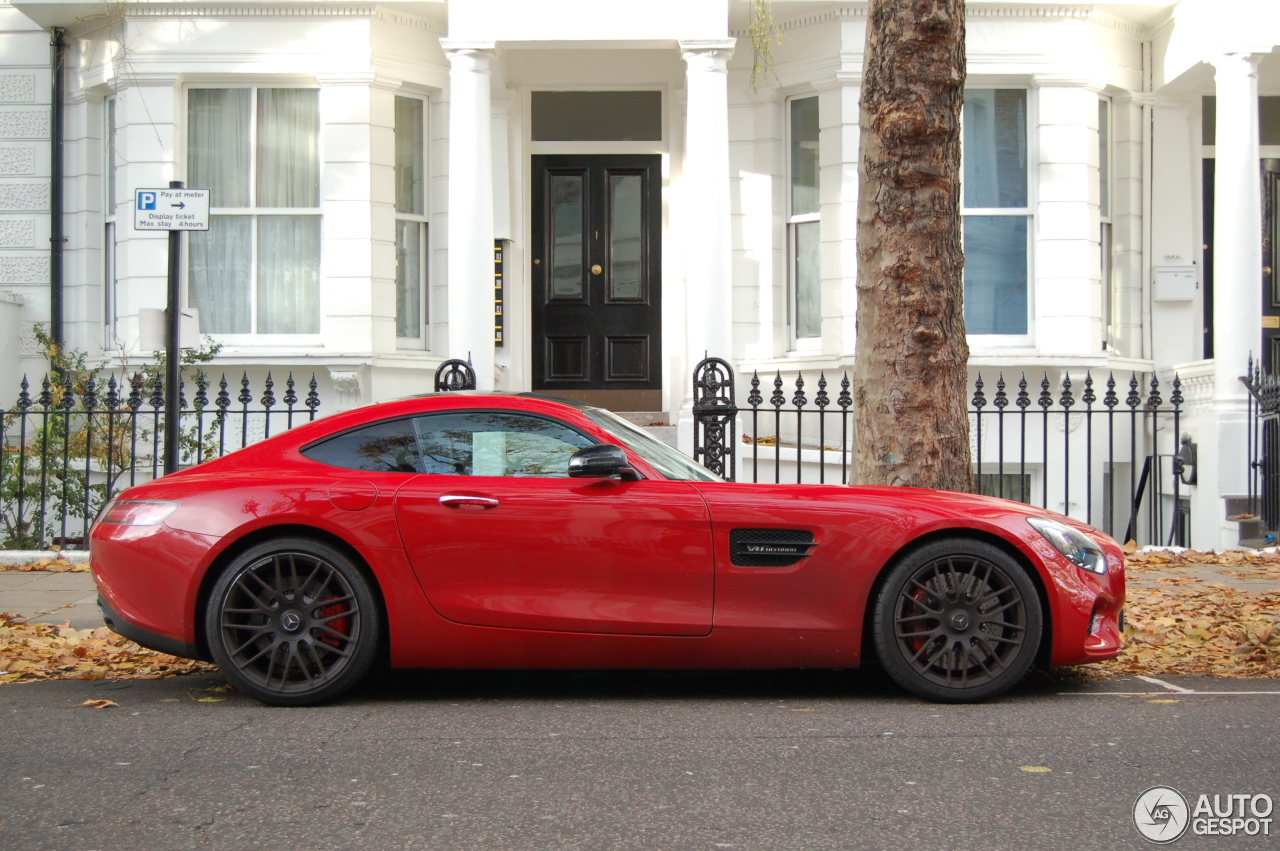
(293, 622)
(957, 621)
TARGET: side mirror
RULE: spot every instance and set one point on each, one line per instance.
(601, 461)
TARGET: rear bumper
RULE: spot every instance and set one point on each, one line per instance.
(145, 638)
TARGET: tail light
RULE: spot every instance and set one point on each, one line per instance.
(136, 512)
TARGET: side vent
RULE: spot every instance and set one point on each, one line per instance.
(768, 547)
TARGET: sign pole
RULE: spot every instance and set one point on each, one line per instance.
(173, 349)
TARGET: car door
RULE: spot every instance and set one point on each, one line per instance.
(499, 535)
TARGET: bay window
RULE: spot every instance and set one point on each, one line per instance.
(257, 268)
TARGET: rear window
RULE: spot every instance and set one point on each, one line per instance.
(386, 447)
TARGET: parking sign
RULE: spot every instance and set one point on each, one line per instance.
(171, 209)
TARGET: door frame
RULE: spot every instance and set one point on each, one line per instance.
(519, 313)
(645, 398)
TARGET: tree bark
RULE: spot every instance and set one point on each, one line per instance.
(911, 414)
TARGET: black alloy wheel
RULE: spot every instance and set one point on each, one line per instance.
(293, 622)
(957, 621)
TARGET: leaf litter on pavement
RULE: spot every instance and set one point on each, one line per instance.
(42, 651)
(1176, 623)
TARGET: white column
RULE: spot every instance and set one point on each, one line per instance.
(1237, 259)
(471, 207)
(704, 196)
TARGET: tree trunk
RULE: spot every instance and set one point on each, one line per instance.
(912, 424)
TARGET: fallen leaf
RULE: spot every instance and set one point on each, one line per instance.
(1162, 700)
(99, 704)
(1035, 769)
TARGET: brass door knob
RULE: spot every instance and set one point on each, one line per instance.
(596, 269)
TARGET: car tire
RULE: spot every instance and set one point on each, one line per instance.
(957, 621)
(293, 622)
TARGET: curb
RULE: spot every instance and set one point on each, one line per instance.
(13, 557)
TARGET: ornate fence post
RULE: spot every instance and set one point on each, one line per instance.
(715, 416)
(455, 374)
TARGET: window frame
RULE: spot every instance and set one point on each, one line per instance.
(110, 271)
(422, 342)
(1106, 214)
(1027, 212)
(796, 343)
(255, 213)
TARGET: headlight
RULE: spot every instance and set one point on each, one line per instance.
(1075, 546)
(136, 512)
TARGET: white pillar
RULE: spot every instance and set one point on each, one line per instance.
(704, 196)
(1237, 259)
(471, 207)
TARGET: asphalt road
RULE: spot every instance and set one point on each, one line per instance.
(788, 760)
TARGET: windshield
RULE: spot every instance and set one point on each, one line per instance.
(661, 457)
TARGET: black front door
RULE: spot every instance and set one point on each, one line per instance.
(597, 279)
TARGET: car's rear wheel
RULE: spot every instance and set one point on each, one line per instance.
(293, 622)
(957, 621)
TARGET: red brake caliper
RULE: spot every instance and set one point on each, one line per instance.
(341, 625)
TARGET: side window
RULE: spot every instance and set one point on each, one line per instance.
(385, 447)
(489, 443)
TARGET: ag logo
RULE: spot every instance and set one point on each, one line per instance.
(1161, 814)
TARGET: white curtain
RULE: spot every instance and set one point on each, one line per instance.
(288, 148)
(220, 259)
(221, 267)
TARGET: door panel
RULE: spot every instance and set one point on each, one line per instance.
(561, 554)
(597, 288)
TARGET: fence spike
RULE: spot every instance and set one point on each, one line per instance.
(822, 399)
(1067, 400)
(245, 396)
(223, 400)
(46, 397)
(113, 393)
(290, 396)
(24, 397)
(269, 393)
(202, 390)
(1110, 399)
(1089, 396)
(845, 399)
(1133, 400)
(1024, 398)
(979, 400)
(1153, 398)
(90, 397)
(1002, 398)
(1046, 398)
(754, 398)
(799, 399)
(1175, 398)
(777, 399)
(157, 392)
(313, 397)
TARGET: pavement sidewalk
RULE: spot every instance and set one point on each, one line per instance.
(46, 597)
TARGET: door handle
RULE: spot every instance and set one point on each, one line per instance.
(454, 500)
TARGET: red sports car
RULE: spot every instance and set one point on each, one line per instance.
(517, 531)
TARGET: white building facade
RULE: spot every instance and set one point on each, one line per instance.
(650, 201)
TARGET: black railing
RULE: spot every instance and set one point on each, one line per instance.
(69, 448)
(1030, 445)
(1264, 445)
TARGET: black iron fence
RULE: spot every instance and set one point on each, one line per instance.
(69, 447)
(1102, 456)
(1264, 445)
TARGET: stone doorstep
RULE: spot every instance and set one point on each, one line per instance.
(645, 418)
